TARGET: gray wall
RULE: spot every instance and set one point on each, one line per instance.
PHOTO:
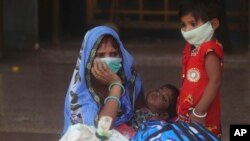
(20, 22)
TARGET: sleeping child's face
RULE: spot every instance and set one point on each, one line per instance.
(159, 100)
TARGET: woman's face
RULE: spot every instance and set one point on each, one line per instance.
(159, 100)
(107, 48)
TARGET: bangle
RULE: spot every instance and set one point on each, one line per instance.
(119, 84)
(112, 97)
(199, 116)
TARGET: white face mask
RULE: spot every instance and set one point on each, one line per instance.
(199, 35)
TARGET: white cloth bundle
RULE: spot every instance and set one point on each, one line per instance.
(81, 132)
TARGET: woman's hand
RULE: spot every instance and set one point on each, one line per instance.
(102, 73)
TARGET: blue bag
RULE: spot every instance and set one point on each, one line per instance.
(173, 131)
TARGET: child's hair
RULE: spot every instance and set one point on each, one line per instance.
(172, 106)
(201, 9)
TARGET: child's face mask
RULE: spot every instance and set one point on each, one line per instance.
(199, 35)
(113, 63)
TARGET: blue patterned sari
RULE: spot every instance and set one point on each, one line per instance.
(82, 103)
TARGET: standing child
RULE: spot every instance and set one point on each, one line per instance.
(202, 64)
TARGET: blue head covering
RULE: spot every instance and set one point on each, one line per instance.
(82, 104)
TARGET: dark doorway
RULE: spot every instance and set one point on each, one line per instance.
(71, 17)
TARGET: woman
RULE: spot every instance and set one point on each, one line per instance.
(103, 83)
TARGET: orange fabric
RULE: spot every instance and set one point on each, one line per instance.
(194, 82)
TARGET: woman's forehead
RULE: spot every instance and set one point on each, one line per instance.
(106, 47)
(107, 43)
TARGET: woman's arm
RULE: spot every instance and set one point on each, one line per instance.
(214, 72)
(103, 74)
(111, 107)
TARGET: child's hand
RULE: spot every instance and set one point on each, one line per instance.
(193, 118)
(102, 73)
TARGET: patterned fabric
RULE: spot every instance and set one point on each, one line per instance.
(148, 128)
(194, 83)
(144, 114)
(82, 103)
(126, 130)
(173, 131)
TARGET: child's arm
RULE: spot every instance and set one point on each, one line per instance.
(214, 72)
